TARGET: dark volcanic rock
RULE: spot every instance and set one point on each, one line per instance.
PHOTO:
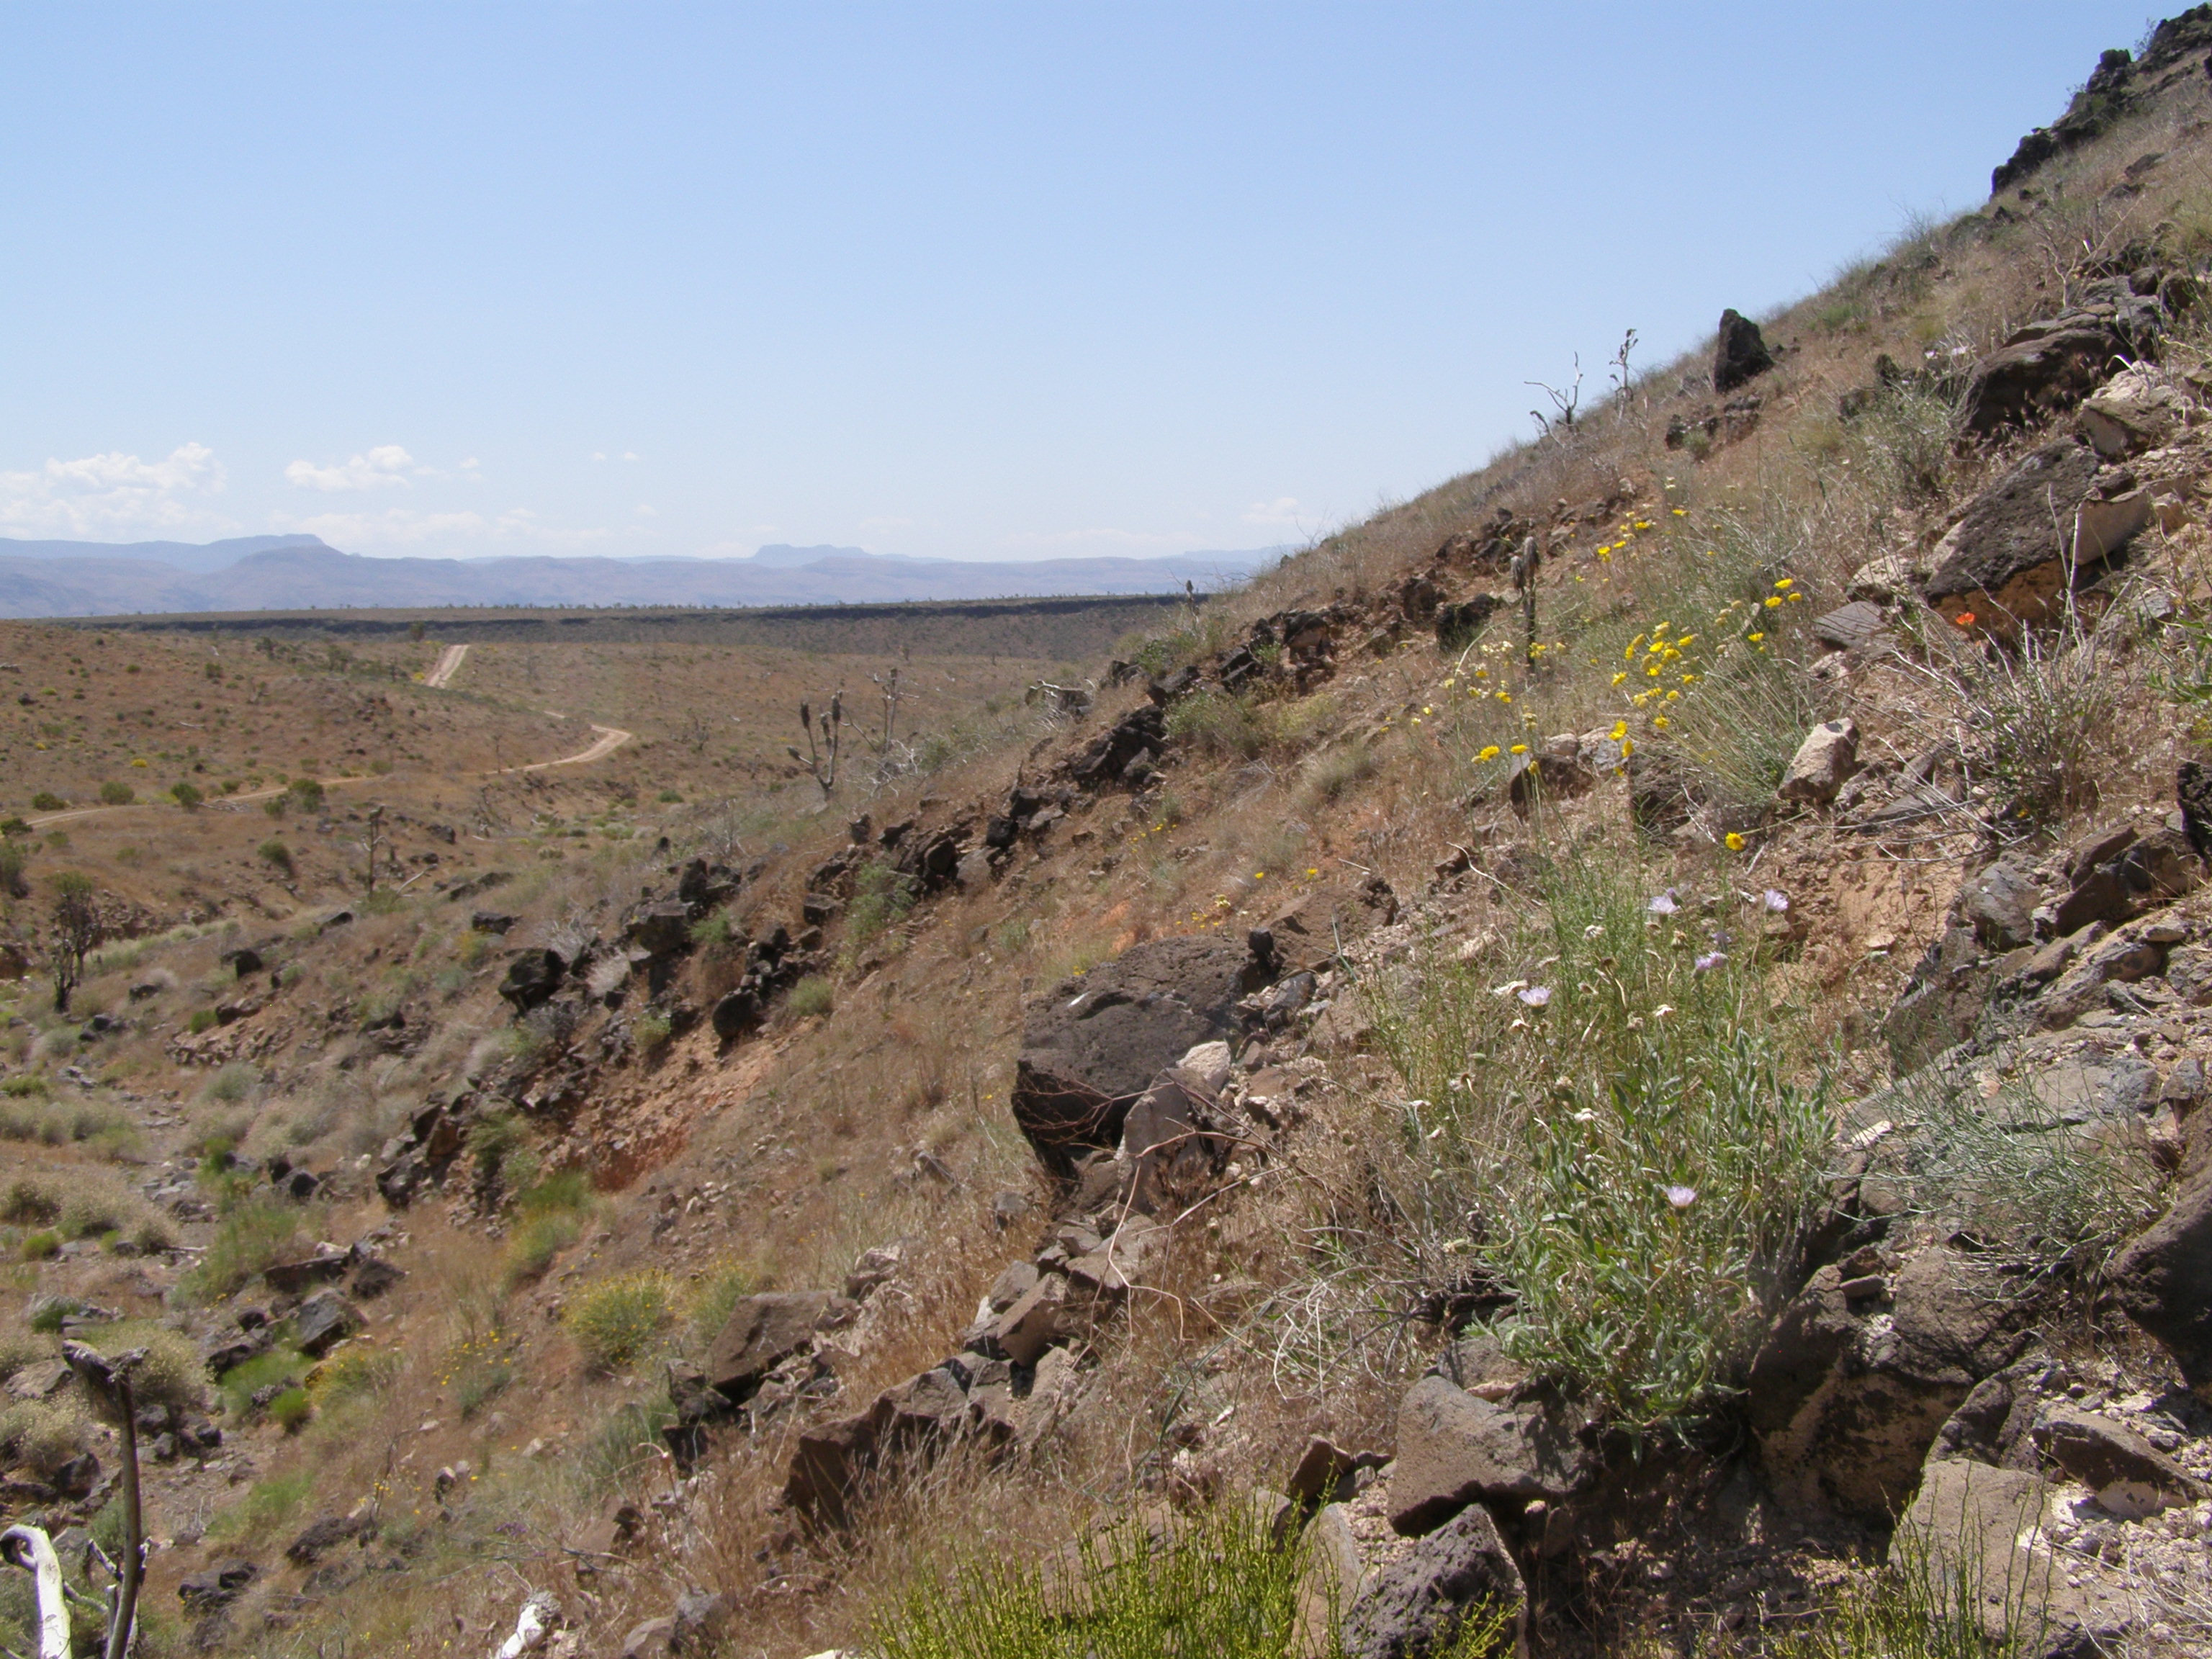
(1091, 1045)
(2163, 1281)
(1415, 1607)
(325, 1320)
(2025, 382)
(1455, 1450)
(1740, 354)
(2003, 561)
(761, 1332)
(531, 978)
(1853, 1381)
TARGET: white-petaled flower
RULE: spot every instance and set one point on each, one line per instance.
(1776, 902)
(1681, 1197)
(1537, 995)
(1664, 905)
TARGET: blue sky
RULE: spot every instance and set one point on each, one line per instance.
(971, 281)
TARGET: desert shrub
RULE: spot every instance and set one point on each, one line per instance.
(651, 1030)
(533, 1246)
(172, 1374)
(1218, 1586)
(1622, 1143)
(254, 1230)
(715, 931)
(492, 1140)
(384, 901)
(46, 801)
(19, 1350)
(13, 882)
(232, 1084)
(617, 1321)
(1249, 727)
(50, 1313)
(275, 854)
(43, 1435)
(25, 1084)
(242, 1382)
(881, 898)
(630, 1438)
(355, 1370)
(308, 793)
(719, 1291)
(2063, 1196)
(267, 1506)
(2039, 715)
(40, 1245)
(114, 794)
(199, 1020)
(813, 996)
(291, 1410)
(1336, 770)
(186, 795)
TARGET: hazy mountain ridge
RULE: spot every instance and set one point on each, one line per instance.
(88, 578)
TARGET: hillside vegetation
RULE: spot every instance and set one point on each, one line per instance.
(1611, 1061)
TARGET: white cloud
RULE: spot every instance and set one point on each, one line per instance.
(387, 465)
(1283, 510)
(404, 530)
(99, 497)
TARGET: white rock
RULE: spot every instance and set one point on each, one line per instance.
(1828, 755)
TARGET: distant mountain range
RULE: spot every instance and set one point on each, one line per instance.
(304, 573)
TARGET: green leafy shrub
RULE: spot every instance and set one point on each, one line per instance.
(115, 793)
(255, 1229)
(881, 896)
(46, 801)
(275, 853)
(531, 1247)
(186, 795)
(617, 1321)
(651, 1032)
(291, 1410)
(40, 1245)
(813, 996)
(1626, 1138)
(308, 793)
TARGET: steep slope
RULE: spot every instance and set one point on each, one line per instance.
(1617, 1032)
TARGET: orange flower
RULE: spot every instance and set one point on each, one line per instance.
(1964, 619)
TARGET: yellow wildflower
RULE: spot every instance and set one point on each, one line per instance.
(1735, 841)
(1489, 753)
(1520, 748)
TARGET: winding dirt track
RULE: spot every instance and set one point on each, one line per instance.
(609, 738)
(449, 664)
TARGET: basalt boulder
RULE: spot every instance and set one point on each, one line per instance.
(1091, 1045)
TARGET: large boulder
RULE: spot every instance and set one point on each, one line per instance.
(2047, 369)
(2163, 1281)
(1419, 1605)
(1992, 1530)
(2005, 561)
(1859, 1374)
(532, 978)
(1092, 1045)
(323, 1321)
(1740, 354)
(1455, 1450)
(760, 1333)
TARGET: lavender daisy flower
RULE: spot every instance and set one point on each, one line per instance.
(1537, 995)
(1681, 1197)
(1711, 960)
(1664, 905)
(1776, 902)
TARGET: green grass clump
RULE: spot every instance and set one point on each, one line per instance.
(719, 1290)
(291, 1410)
(618, 1321)
(533, 1246)
(813, 996)
(1219, 1587)
(1619, 1137)
(652, 1031)
(255, 1231)
(238, 1384)
(881, 898)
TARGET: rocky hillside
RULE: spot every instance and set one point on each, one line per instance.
(1612, 1060)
